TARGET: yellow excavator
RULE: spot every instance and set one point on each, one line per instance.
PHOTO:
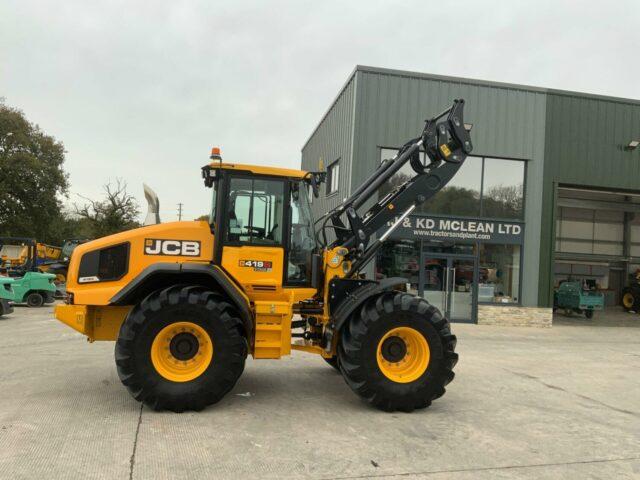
(187, 302)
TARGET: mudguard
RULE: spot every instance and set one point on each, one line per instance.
(346, 295)
(160, 275)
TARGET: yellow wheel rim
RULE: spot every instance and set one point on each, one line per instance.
(403, 354)
(181, 351)
(627, 300)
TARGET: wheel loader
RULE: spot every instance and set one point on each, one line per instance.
(187, 302)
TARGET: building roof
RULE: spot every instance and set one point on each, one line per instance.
(467, 81)
(489, 83)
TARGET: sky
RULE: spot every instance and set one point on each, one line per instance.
(141, 90)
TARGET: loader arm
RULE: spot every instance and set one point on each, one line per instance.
(446, 144)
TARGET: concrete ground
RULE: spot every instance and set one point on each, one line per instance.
(526, 403)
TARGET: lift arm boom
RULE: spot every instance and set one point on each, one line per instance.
(446, 144)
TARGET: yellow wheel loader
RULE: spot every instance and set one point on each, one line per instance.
(186, 302)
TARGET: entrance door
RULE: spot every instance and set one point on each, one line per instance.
(434, 282)
(461, 289)
(449, 284)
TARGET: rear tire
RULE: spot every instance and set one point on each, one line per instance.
(382, 371)
(588, 314)
(35, 299)
(180, 349)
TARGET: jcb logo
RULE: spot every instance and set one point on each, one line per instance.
(185, 248)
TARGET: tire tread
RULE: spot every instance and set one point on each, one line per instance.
(354, 336)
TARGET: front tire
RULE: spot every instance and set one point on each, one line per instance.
(180, 349)
(397, 352)
(333, 361)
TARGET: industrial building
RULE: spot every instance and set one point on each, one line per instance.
(550, 193)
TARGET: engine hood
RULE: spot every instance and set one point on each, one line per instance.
(100, 268)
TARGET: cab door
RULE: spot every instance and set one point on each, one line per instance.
(253, 234)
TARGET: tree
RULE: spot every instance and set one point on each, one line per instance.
(32, 180)
(203, 217)
(452, 200)
(116, 213)
(503, 201)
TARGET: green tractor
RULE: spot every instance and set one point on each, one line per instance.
(27, 284)
(571, 297)
(6, 296)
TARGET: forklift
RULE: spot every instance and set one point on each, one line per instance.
(28, 284)
(187, 302)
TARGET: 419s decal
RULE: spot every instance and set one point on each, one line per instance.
(184, 248)
(257, 265)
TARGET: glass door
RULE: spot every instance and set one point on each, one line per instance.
(435, 281)
(461, 291)
(448, 283)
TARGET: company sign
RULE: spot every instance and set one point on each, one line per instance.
(458, 229)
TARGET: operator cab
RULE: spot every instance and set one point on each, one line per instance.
(263, 215)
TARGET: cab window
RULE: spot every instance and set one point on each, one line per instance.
(255, 211)
(302, 242)
(214, 200)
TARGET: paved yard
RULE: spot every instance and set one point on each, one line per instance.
(526, 403)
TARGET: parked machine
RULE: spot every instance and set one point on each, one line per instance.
(28, 285)
(46, 253)
(573, 298)
(6, 296)
(186, 302)
(60, 264)
(631, 293)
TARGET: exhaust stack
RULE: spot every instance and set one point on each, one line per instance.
(153, 206)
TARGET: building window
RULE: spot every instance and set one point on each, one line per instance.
(503, 188)
(486, 187)
(400, 259)
(461, 196)
(498, 273)
(333, 176)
